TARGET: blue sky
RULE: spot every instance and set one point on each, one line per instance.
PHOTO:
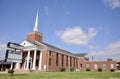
(78, 26)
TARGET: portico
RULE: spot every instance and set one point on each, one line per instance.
(32, 59)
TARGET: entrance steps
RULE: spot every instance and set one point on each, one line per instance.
(22, 71)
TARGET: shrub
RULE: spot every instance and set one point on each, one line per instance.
(62, 69)
(10, 71)
(87, 69)
(72, 69)
(99, 69)
(112, 70)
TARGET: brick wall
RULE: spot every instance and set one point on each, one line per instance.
(34, 36)
(105, 65)
(53, 66)
(44, 63)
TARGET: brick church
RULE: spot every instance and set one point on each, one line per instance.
(38, 55)
(41, 56)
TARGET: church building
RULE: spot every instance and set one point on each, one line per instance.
(41, 56)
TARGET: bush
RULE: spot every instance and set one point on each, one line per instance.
(10, 71)
(72, 69)
(62, 69)
(87, 69)
(99, 69)
(112, 70)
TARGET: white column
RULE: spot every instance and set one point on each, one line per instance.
(28, 57)
(11, 66)
(17, 66)
(40, 61)
(34, 60)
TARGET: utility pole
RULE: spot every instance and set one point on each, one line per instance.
(92, 58)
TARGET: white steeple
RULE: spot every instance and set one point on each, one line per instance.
(36, 23)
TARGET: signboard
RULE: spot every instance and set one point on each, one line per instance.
(15, 46)
(13, 56)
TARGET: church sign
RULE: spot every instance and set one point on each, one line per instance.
(13, 56)
(14, 46)
(14, 53)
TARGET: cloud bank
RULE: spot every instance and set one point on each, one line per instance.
(111, 51)
(76, 35)
(2, 51)
(112, 3)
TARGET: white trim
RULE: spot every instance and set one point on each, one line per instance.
(17, 66)
(34, 60)
(11, 66)
(112, 66)
(26, 43)
(28, 57)
(40, 61)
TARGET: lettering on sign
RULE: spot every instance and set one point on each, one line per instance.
(13, 56)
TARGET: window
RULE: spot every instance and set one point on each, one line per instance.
(67, 61)
(87, 65)
(50, 58)
(50, 53)
(80, 65)
(74, 62)
(57, 59)
(112, 66)
(95, 66)
(104, 66)
(49, 61)
(70, 61)
(38, 53)
(62, 60)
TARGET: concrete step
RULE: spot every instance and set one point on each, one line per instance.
(25, 71)
(21, 71)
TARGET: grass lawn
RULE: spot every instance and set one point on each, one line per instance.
(64, 75)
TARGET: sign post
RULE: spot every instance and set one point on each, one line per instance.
(13, 54)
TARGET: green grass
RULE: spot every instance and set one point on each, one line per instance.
(64, 75)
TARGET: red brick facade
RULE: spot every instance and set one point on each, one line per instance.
(60, 61)
(32, 36)
(94, 65)
(54, 61)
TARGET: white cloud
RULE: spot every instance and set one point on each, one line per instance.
(2, 47)
(111, 51)
(92, 32)
(2, 38)
(91, 47)
(114, 48)
(114, 45)
(97, 53)
(112, 3)
(2, 51)
(46, 9)
(76, 35)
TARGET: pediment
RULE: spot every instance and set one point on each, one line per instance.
(26, 43)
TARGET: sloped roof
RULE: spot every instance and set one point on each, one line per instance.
(58, 50)
(52, 48)
(81, 54)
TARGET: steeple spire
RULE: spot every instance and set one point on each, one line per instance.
(36, 23)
